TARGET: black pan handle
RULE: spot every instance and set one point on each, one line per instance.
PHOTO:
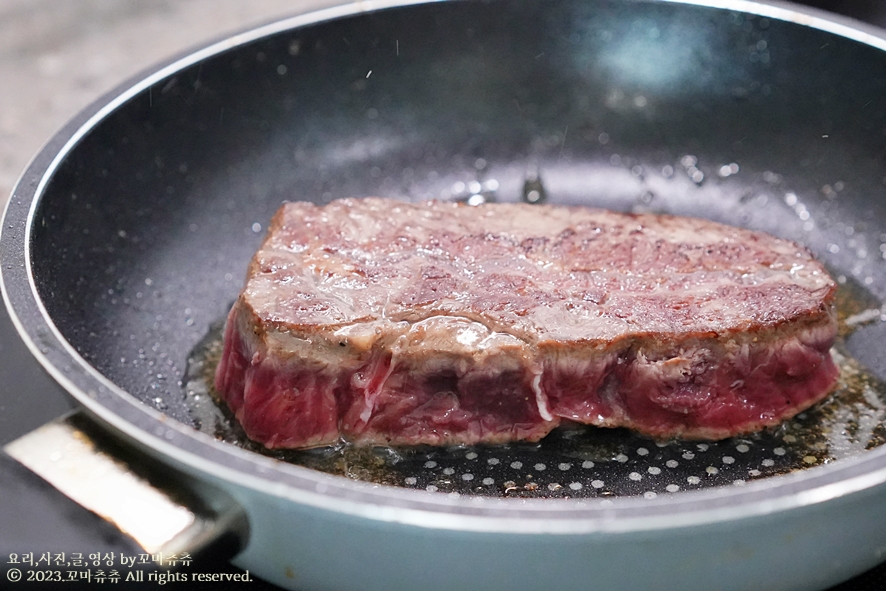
(164, 513)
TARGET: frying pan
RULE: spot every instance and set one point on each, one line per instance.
(126, 240)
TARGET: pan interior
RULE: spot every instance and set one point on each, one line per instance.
(141, 239)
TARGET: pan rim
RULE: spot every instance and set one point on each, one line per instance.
(181, 444)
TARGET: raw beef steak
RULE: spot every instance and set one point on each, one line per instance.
(383, 322)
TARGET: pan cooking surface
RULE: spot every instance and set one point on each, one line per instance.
(142, 236)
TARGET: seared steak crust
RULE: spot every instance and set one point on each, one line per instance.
(384, 322)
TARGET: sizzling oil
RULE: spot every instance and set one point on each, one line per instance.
(580, 461)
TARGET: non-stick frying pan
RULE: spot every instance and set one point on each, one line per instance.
(127, 239)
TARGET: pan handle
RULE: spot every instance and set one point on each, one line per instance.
(164, 512)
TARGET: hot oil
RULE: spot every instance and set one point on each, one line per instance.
(579, 461)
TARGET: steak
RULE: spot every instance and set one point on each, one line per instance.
(391, 323)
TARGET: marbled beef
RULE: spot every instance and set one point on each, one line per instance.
(383, 322)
